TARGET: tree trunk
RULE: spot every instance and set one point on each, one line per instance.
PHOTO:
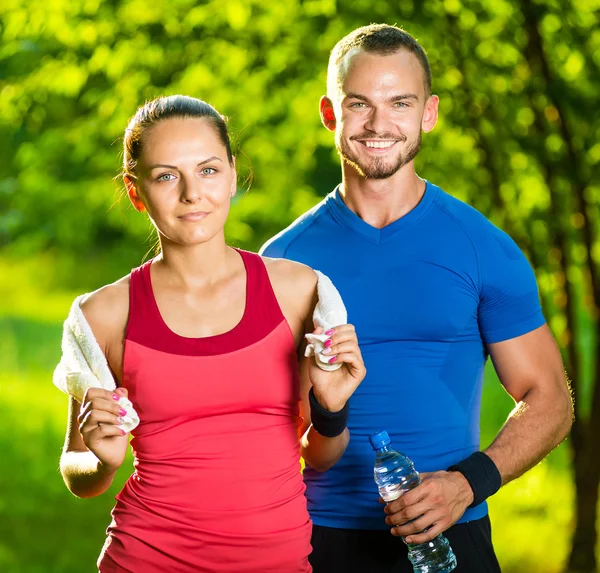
(585, 441)
(583, 549)
(586, 463)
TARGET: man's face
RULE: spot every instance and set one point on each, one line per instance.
(379, 112)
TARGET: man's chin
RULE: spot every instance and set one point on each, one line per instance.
(379, 169)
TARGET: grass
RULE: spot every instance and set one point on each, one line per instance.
(43, 528)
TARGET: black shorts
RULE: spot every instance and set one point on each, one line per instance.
(363, 551)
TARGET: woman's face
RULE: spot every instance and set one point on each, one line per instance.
(184, 180)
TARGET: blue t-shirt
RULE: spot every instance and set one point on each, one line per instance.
(426, 294)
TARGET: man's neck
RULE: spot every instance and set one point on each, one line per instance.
(380, 202)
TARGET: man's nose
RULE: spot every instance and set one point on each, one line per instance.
(377, 121)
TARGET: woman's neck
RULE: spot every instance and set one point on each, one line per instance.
(197, 265)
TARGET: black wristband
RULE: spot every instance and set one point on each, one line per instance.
(328, 424)
(481, 473)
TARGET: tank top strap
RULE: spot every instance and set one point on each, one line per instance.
(141, 303)
(263, 307)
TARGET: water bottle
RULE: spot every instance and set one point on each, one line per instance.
(395, 474)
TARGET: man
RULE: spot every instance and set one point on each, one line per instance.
(433, 288)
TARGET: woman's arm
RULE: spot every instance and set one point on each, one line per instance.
(85, 473)
(295, 286)
(95, 446)
(331, 392)
(318, 451)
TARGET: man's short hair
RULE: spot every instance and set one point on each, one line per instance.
(379, 39)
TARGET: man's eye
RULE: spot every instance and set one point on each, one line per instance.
(357, 104)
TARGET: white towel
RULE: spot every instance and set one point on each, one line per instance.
(329, 312)
(83, 364)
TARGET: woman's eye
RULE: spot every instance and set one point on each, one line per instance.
(166, 177)
(209, 171)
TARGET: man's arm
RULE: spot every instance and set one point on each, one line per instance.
(531, 370)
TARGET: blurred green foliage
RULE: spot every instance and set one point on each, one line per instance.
(73, 72)
(517, 138)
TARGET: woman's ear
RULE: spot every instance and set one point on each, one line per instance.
(137, 203)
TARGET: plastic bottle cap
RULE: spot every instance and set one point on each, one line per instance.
(379, 439)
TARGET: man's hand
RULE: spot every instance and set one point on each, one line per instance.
(435, 504)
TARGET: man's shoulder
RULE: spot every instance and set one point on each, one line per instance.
(278, 245)
(472, 222)
(461, 212)
(487, 239)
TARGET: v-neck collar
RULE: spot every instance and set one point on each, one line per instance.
(344, 215)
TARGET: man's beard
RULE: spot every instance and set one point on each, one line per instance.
(377, 168)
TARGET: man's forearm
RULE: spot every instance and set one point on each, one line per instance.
(537, 425)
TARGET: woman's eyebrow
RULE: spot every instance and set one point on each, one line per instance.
(163, 165)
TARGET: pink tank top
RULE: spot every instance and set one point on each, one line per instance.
(217, 485)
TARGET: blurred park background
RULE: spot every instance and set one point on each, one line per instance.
(518, 138)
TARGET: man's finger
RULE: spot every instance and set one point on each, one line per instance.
(433, 531)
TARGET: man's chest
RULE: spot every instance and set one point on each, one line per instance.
(407, 297)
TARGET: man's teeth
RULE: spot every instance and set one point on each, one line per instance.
(379, 144)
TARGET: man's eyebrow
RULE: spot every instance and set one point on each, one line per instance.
(405, 96)
(154, 166)
(352, 95)
(398, 97)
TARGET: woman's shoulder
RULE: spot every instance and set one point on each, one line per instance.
(107, 309)
(290, 274)
(295, 287)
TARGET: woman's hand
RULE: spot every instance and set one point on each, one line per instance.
(98, 419)
(332, 389)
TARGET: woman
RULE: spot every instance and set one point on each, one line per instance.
(203, 340)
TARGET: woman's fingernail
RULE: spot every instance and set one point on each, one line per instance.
(327, 343)
(333, 359)
(122, 412)
(120, 420)
(122, 431)
(326, 351)
(115, 397)
(329, 332)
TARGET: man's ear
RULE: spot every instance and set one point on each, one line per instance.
(133, 194)
(430, 113)
(327, 113)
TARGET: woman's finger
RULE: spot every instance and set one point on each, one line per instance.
(97, 417)
(96, 393)
(102, 431)
(101, 405)
(347, 346)
(351, 359)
